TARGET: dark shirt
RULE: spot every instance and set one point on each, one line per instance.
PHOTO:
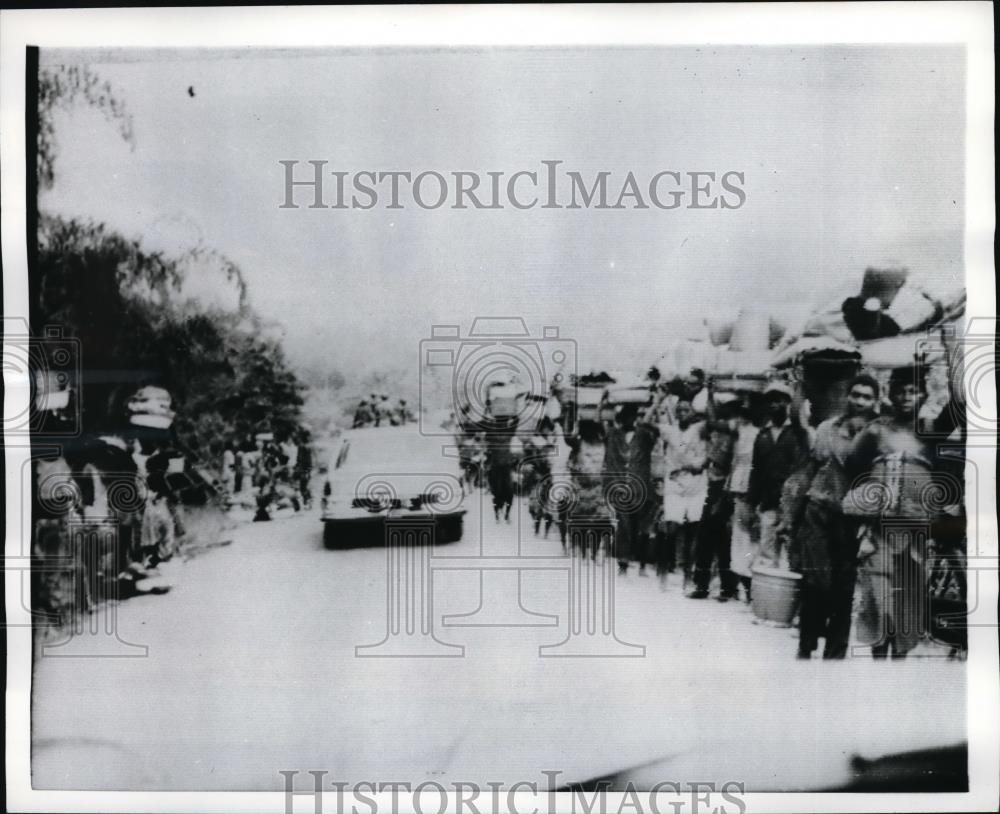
(303, 463)
(719, 450)
(631, 457)
(950, 419)
(363, 416)
(834, 441)
(498, 444)
(774, 459)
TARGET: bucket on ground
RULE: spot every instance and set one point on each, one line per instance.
(775, 594)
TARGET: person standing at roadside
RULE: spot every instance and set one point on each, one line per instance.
(251, 454)
(239, 469)
(744, 538)
(401, 414)
(536, 471)
(304, 467)
(628, 481)
(684, 488)
(501, 463)
(363, 415)
(229, 469)
(586, 505)
(781, 447)
(892, 581)
(713, 542)
(826, 539)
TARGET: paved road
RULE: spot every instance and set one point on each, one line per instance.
(251, 669)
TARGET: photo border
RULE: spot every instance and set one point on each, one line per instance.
(970, 24)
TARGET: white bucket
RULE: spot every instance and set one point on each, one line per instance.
(775, 594)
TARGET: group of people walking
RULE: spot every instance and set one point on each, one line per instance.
(379, 411)
(277, 472)
(710, 485)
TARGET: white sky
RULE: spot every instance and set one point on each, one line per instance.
(852, 155)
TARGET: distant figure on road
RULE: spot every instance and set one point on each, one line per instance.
(303, 469)
(586, 505)
(471, 460)
(239, 470)
(401, 415)
(536, 470)
(501, 462)
(229, 469)
(628, 473)
(363, 415)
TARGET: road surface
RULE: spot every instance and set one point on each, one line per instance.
(251, 668)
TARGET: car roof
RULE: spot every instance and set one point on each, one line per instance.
(391, 449)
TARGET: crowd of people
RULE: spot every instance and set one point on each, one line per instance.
(716, 486)
(275, 472)
(378, 410)
(703, 486)
(107, 512)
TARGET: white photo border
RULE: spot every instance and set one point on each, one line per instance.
(968, 24)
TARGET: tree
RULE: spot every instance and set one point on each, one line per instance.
(59, 88)
(122, 302)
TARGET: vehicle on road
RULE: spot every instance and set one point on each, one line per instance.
(380, 475)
